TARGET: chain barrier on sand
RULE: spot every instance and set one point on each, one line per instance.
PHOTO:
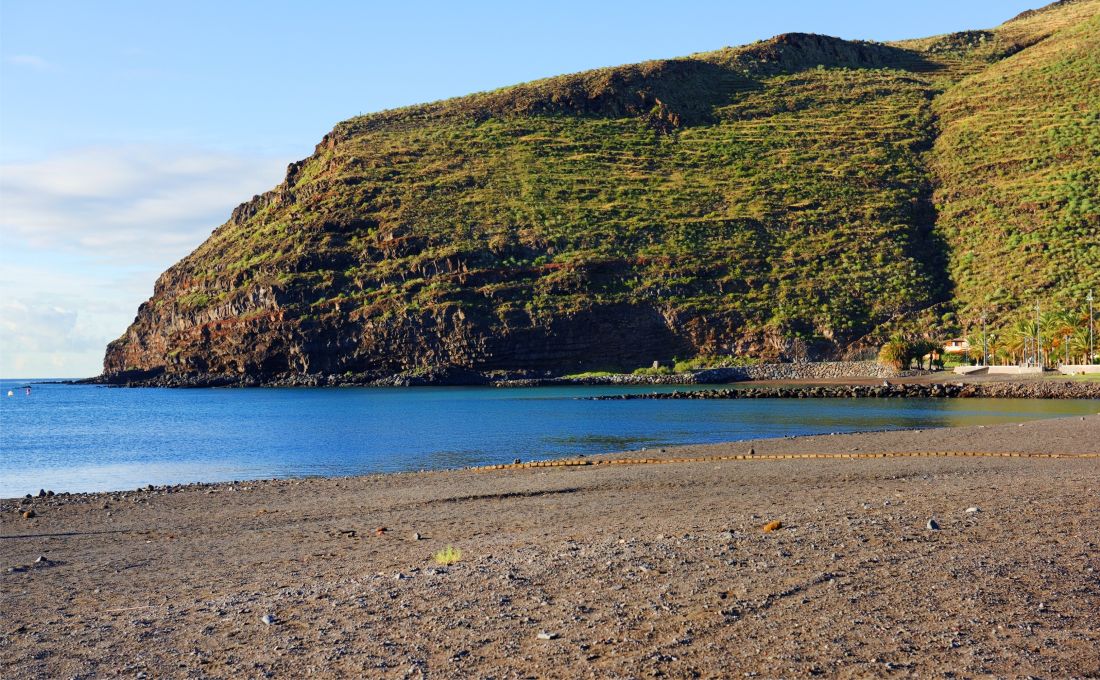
(586, 462)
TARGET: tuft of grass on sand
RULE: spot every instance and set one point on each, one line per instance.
(448, 556)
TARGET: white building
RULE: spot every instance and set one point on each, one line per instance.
(956, 346)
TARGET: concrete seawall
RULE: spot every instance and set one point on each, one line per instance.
(1079, 369)
(816, 370)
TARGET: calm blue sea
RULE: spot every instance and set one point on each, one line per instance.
(91, 438)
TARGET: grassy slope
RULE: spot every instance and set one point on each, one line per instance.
(784, 189)
(798, 204)
(1018, 162)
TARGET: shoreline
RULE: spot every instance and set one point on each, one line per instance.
(93, 467)
(925, 446)
(926, 442)
(627, 569)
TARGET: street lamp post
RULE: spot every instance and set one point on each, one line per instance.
(1038, 339)
(1092, 352)
(985, 342)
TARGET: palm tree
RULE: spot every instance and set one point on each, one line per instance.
(898, 353)
(1057, 326)
(1079, 345)
(978, 343)
(1019, 339)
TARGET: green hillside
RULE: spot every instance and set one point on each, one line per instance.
(1018, 166)
(800, 195)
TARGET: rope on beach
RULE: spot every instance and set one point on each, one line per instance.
(574, 462)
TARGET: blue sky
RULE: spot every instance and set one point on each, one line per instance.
(129, 130)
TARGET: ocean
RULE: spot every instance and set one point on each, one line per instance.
(93, 438)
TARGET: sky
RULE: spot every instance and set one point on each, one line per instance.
(130, 130)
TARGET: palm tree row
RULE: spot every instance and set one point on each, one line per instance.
(1061, 338)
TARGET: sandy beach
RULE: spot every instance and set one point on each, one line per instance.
(617, 571)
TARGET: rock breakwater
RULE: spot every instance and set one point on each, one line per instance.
(1021, 390)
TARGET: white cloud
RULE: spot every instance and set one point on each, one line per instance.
(122, 202)
(31, 61)
(84, 234)
(57, 313)
(45, 328)
(42, 340)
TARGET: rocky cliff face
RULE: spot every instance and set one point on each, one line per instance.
(255, 338)
(774, 200)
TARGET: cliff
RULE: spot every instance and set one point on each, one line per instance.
(801, 196)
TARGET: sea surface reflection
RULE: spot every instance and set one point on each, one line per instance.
(89, 438)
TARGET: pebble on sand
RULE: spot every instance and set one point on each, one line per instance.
(543, 635)
(29, 514)
(973, 508)
(933, 525)
(772, 526)
(268, 619)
